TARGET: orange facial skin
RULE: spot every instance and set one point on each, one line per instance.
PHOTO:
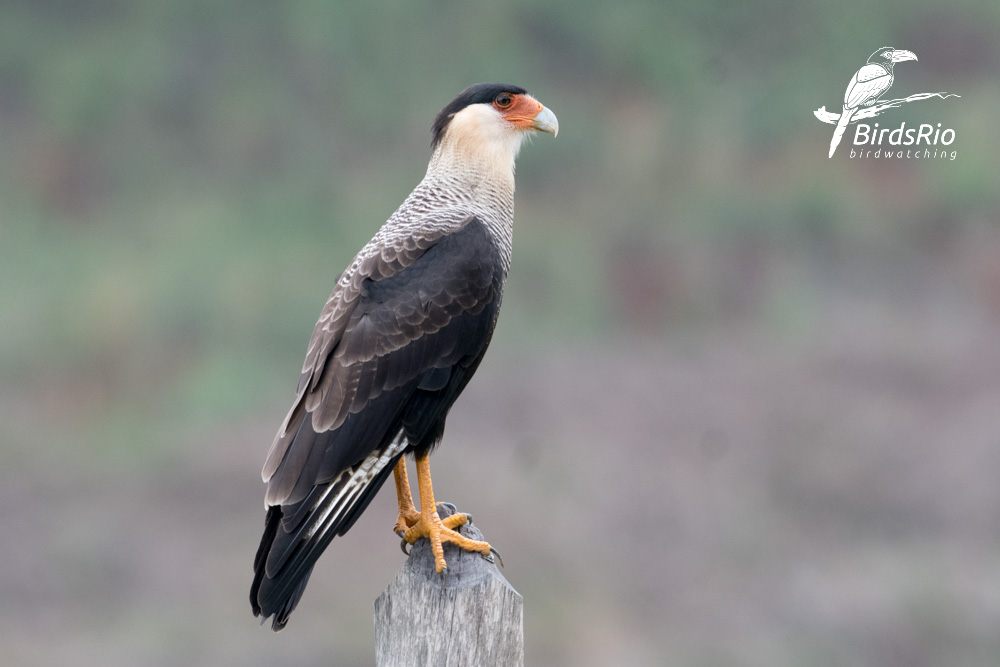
(520, 111)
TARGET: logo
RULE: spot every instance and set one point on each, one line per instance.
(861, 101)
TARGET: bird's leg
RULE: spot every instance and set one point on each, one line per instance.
(408, 514)
(432, 527)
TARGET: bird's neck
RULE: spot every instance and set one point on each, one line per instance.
(482, 171)
(452, 191)
(477, 182)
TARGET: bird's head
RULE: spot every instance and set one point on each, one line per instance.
(490, 121)
(887, 54)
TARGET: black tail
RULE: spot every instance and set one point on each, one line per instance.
(266, 606)
(295, 536)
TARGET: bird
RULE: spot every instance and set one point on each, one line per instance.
(867, 84)
(398, 340)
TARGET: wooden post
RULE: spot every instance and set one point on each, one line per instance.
(466, 616)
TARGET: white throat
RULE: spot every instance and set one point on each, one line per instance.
(479, 147)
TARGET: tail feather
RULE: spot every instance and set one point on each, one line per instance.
(838, 132)
(294, 539)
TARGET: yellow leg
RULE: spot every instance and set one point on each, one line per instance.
(430, 524)
(408, 514)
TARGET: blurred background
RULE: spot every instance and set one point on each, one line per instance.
(743, 403)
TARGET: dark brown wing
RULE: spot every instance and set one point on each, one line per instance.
(397, 342)
(329, 331)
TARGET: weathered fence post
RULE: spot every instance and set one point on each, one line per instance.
(467, 616)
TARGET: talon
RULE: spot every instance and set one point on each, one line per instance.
(431, 526)
(402, 546)
(494, 552)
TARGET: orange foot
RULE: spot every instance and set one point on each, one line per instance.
(408, 515)
(413, 525)
(439, 531)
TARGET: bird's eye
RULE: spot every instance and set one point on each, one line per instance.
(503, 100)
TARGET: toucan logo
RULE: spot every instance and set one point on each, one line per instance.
(863, 92)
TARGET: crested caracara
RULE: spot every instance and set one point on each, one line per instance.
(404, 330)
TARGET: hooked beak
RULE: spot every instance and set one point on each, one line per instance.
(900, 56)
(546, 121)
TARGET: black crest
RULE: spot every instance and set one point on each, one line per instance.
(480, 93)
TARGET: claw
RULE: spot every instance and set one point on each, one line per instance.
(494, 552)
(402, 546)
(429, 523)
(438, 532)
